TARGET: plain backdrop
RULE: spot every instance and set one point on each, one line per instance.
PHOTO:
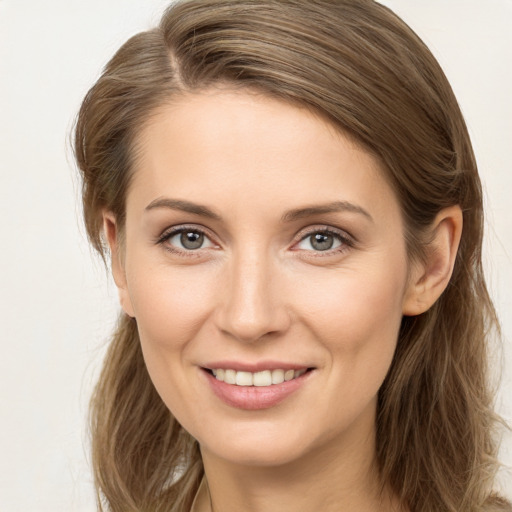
(57, 305)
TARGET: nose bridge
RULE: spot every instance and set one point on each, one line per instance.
(252, 306)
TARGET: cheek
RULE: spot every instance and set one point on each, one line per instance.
(357, 320)
(355, 300)
(170, 305)
(357, 317)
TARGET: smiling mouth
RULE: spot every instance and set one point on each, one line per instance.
(259, 379)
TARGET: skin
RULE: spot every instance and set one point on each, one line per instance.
(259, 289)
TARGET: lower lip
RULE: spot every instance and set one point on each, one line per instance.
(255, 397)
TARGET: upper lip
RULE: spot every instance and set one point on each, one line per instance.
(255, 366)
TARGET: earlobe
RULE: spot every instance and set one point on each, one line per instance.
(429, 278)
(110, 229)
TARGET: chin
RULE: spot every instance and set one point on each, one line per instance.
(256, 456)
(251, 448)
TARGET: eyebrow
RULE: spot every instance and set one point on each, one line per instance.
(334, 207)
(184, 206)
(289, 216)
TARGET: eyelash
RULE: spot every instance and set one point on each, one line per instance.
(176, 231)
(345, 240)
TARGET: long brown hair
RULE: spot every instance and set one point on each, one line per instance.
(357, 64)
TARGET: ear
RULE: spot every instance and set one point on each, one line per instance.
(117, 262)
(429, 278)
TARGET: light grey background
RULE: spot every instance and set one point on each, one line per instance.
(56, 305)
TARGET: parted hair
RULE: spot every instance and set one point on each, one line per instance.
(358, 65)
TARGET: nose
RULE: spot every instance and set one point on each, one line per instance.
(252, 304)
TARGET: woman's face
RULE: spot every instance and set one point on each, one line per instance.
(262, 245)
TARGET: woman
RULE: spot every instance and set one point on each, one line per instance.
(294, 218)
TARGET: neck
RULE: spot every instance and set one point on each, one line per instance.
(339, 475)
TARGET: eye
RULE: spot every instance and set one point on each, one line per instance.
(185, 240)
(324, 240)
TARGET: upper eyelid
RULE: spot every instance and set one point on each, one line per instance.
(303, 232)
(344, 236)
(300, 236)
(173, 230)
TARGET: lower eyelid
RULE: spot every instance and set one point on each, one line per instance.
(167, 235)
(345, 241)
(342, 238)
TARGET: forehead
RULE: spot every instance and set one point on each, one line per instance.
(224, 145)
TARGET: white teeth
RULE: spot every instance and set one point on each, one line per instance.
(230, 376)
(243, 379)
(277, 376)
(261, 379)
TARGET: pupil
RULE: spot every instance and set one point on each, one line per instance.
(191, 240)
(322, 241)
